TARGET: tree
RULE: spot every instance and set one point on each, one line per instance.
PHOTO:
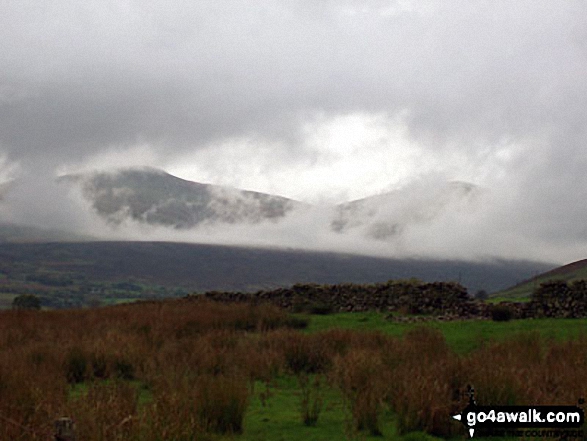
(26, 301)
(481, 295)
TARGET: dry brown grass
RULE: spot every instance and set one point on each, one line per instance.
(198, 362)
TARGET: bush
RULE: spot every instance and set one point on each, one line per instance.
(361, 378)
(481, 295)
(222, 402)
(99, 365)
(124, 370)
(26, 301)
(501, 313)
(76, 366)
(297, 323)
(106, 411)
(320, 308)
(304, 354)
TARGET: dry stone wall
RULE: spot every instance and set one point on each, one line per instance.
(407, 299)
(560, 299)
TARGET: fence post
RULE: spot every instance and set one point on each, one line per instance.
(65, 430)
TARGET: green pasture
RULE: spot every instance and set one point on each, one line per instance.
(461, 336)
(279, 418)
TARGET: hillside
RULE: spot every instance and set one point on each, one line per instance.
(79, 272)
(152, 196)
(568, 273)
(157, 198)
(388, 215)
(10, 232)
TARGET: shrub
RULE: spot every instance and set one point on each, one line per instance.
(501, 313)
(360, 375)
(222, 402)
(320, 308)
(76, 366)
(481, 295)
(99, 365)
(107, 411)
(423, 374)
(26, 301)
(304, 354)
(297, 322)
(124, 370)
(173, 413)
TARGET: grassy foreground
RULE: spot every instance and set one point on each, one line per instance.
(190, 370)
(461, 336)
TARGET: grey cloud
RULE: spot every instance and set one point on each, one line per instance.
(468, 76)
(183, 74)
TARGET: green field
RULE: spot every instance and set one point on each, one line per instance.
(461, 336)
(278, 418)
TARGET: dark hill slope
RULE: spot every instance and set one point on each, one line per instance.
(568, 273)
(210, 267)
(25, 233)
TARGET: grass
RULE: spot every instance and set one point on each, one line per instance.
(277, 418)
(145, 396)
(524, 290)
(357, 321)
(461, 336)
(163, 371)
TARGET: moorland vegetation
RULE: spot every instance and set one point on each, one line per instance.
(194, 369)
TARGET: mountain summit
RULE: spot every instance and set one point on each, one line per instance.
(154, 197)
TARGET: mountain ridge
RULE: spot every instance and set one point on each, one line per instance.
(197, 267)
(155, 197)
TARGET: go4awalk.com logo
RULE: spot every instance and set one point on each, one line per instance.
(553, 421)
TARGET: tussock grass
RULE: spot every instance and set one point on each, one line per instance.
(183, 370)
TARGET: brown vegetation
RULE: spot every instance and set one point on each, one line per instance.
(176, 370)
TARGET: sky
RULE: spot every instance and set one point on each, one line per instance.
(320, 101)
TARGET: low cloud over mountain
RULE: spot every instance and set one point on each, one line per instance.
(319, 102)
(161, 203)
(154, 197)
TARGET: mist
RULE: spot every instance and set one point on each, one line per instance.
(322, 103)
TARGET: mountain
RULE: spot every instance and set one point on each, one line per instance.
(389, 214)
(155, 197)
(568, 273)
(195, 267)
(24, 233)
